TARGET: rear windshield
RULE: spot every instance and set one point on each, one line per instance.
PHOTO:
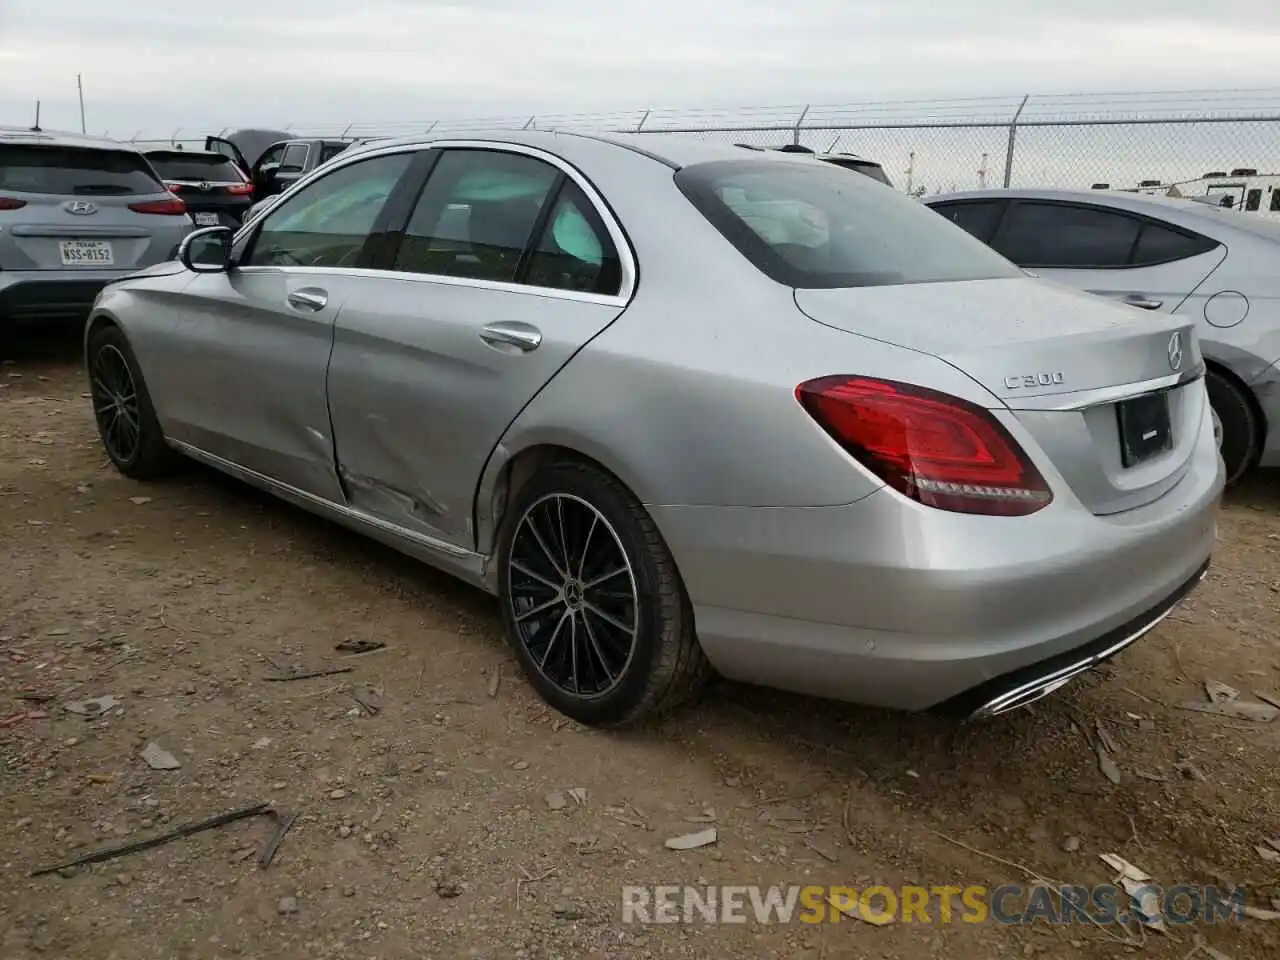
(811, 225)
(177, 165)
(74, 171)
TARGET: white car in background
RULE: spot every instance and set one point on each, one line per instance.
(1164, 255)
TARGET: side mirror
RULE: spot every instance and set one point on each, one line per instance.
(207, 250)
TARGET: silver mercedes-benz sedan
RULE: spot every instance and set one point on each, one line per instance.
(684, 407)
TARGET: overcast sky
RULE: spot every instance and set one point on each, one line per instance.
(157, 65)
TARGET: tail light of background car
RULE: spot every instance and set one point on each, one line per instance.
(936, 449)
(11, 203)
(171, 207)
(240, 189)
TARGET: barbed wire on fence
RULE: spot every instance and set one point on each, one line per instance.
(1070, 139)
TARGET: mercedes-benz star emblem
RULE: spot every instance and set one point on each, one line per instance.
(1175, 351)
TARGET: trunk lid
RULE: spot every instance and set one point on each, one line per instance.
(1071, 367)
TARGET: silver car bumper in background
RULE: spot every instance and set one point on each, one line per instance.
(1267, 389)
(889, 603)
(32, 296)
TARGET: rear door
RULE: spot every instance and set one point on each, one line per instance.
(1135, 260)
(506, 266)
(82, 208)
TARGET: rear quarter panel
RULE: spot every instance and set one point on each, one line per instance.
(689, 397)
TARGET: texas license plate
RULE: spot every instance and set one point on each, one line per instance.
(86, 253)
(206, 220)
(1145, 429)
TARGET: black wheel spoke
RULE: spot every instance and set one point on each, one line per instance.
(553, 602)
(586, 544)
(546, 550)
(594, 583)
(555, 635)
(534, 575)
(596, 648)
(572, 595)
(610, 619)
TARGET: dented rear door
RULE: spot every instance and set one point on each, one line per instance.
(421, 390)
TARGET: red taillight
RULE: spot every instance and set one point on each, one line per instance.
(932, 447)
(172, 207)
(173, 187)
(11, 203)
(240, 189)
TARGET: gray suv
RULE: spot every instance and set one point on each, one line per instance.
(75, 213)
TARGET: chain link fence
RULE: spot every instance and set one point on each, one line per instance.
(935, 146)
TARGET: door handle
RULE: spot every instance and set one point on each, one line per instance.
(308, 298)
(522, 336)
(1143, 303)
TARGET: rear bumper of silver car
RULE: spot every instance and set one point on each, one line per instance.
(888, 603)
(1026, 686)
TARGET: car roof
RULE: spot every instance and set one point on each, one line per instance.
(59, 138)
(670, 149)
(1181, 211)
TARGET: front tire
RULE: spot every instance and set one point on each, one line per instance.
(1240, 427)
(126, 419)
(593, 605)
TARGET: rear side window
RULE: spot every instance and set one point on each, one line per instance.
(811, 225)
(977, 217)
(575, 251)
(1253, 200)
(1157, 244)
(195, 168)
(1058, 235)
(75, 171)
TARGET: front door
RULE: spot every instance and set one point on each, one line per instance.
(246, 360)
(504, 270)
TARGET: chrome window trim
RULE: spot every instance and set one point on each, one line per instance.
(621, 243)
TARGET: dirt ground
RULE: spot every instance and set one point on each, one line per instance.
(425, 829)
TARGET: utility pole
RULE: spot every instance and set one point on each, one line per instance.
(80, 88)
(982, 173)
(911, 171)
(36, 128)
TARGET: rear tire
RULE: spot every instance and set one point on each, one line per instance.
(593, 605)
(126, 419)
(1241, 426)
